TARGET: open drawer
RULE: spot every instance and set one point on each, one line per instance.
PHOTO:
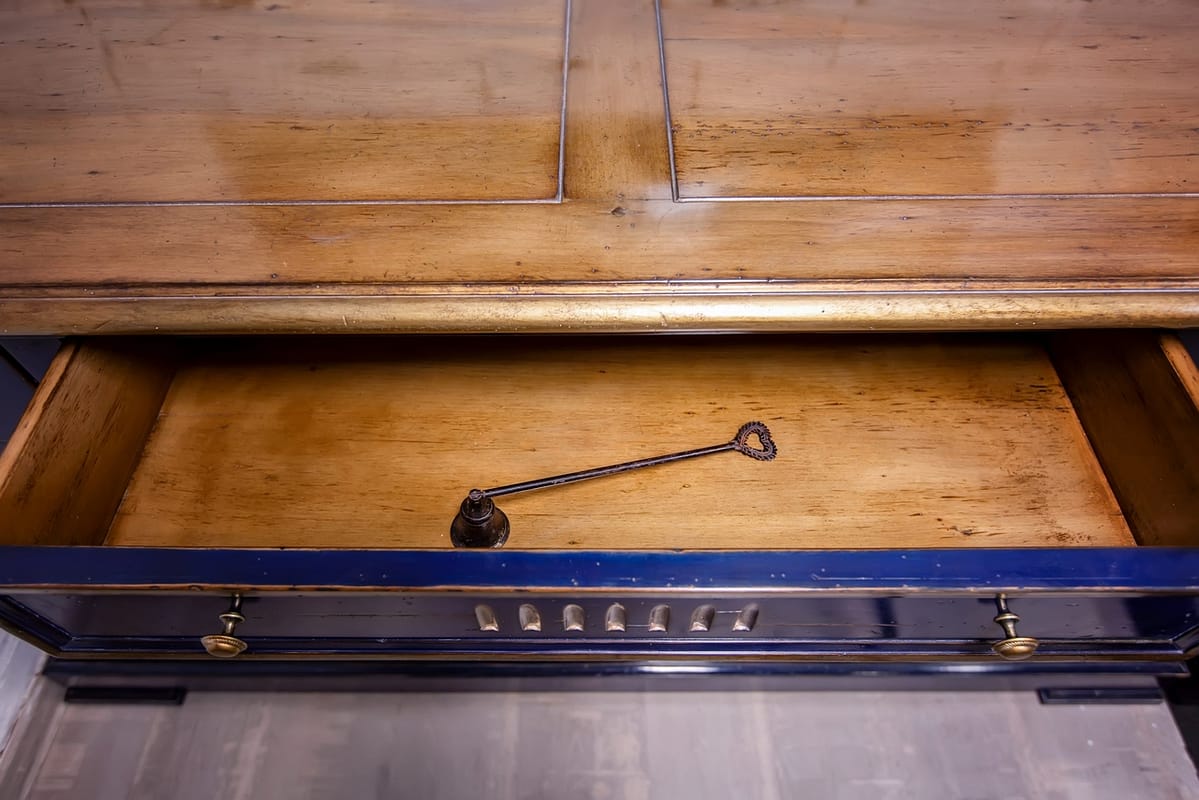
(926, 491)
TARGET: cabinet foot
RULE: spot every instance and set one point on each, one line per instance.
(127, 695)
(1104, 695)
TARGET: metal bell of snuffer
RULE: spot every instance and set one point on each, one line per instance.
(480, 523)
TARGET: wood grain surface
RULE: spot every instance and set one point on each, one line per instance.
(112, 100)
(1137, 395)
(356, 248)
(68, 462)
(615, 125)
(919, 443)
(589, 245)
(914, 97)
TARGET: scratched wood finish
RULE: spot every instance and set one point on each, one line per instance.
(115, 100)
(921, 443)
(401, 250)
(914, 97)
(601, 259)
(616, 130)
(628, 745)
(68, 462)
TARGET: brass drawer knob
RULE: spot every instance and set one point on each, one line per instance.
(1012, 647)
(225, 644)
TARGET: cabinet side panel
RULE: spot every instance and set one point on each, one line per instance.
(1135, 393)
(68, 463)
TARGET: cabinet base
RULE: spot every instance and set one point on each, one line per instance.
(483, 676)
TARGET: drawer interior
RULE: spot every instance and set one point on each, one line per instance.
(883, 442)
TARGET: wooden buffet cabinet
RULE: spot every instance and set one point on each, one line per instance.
(325, 265)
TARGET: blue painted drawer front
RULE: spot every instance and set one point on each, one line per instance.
(1069, 625)
(1135, 569)
(1083, 603)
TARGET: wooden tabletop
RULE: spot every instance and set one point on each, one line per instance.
(617, 165)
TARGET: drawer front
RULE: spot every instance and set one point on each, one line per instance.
(1137, 606)
(1073, 627)
(918, 484)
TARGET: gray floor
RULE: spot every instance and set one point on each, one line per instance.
(18, 664)
(602, 745)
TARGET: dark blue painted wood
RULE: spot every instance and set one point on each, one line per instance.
(533, 675)
(32, 625)
(982, 570)
(430, 623)
(808, 617)
(912, 652)
(1191, 340)
(15, 394)
(33, 353)
(908, 606)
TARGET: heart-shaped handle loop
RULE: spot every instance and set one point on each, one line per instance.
(766, 451)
